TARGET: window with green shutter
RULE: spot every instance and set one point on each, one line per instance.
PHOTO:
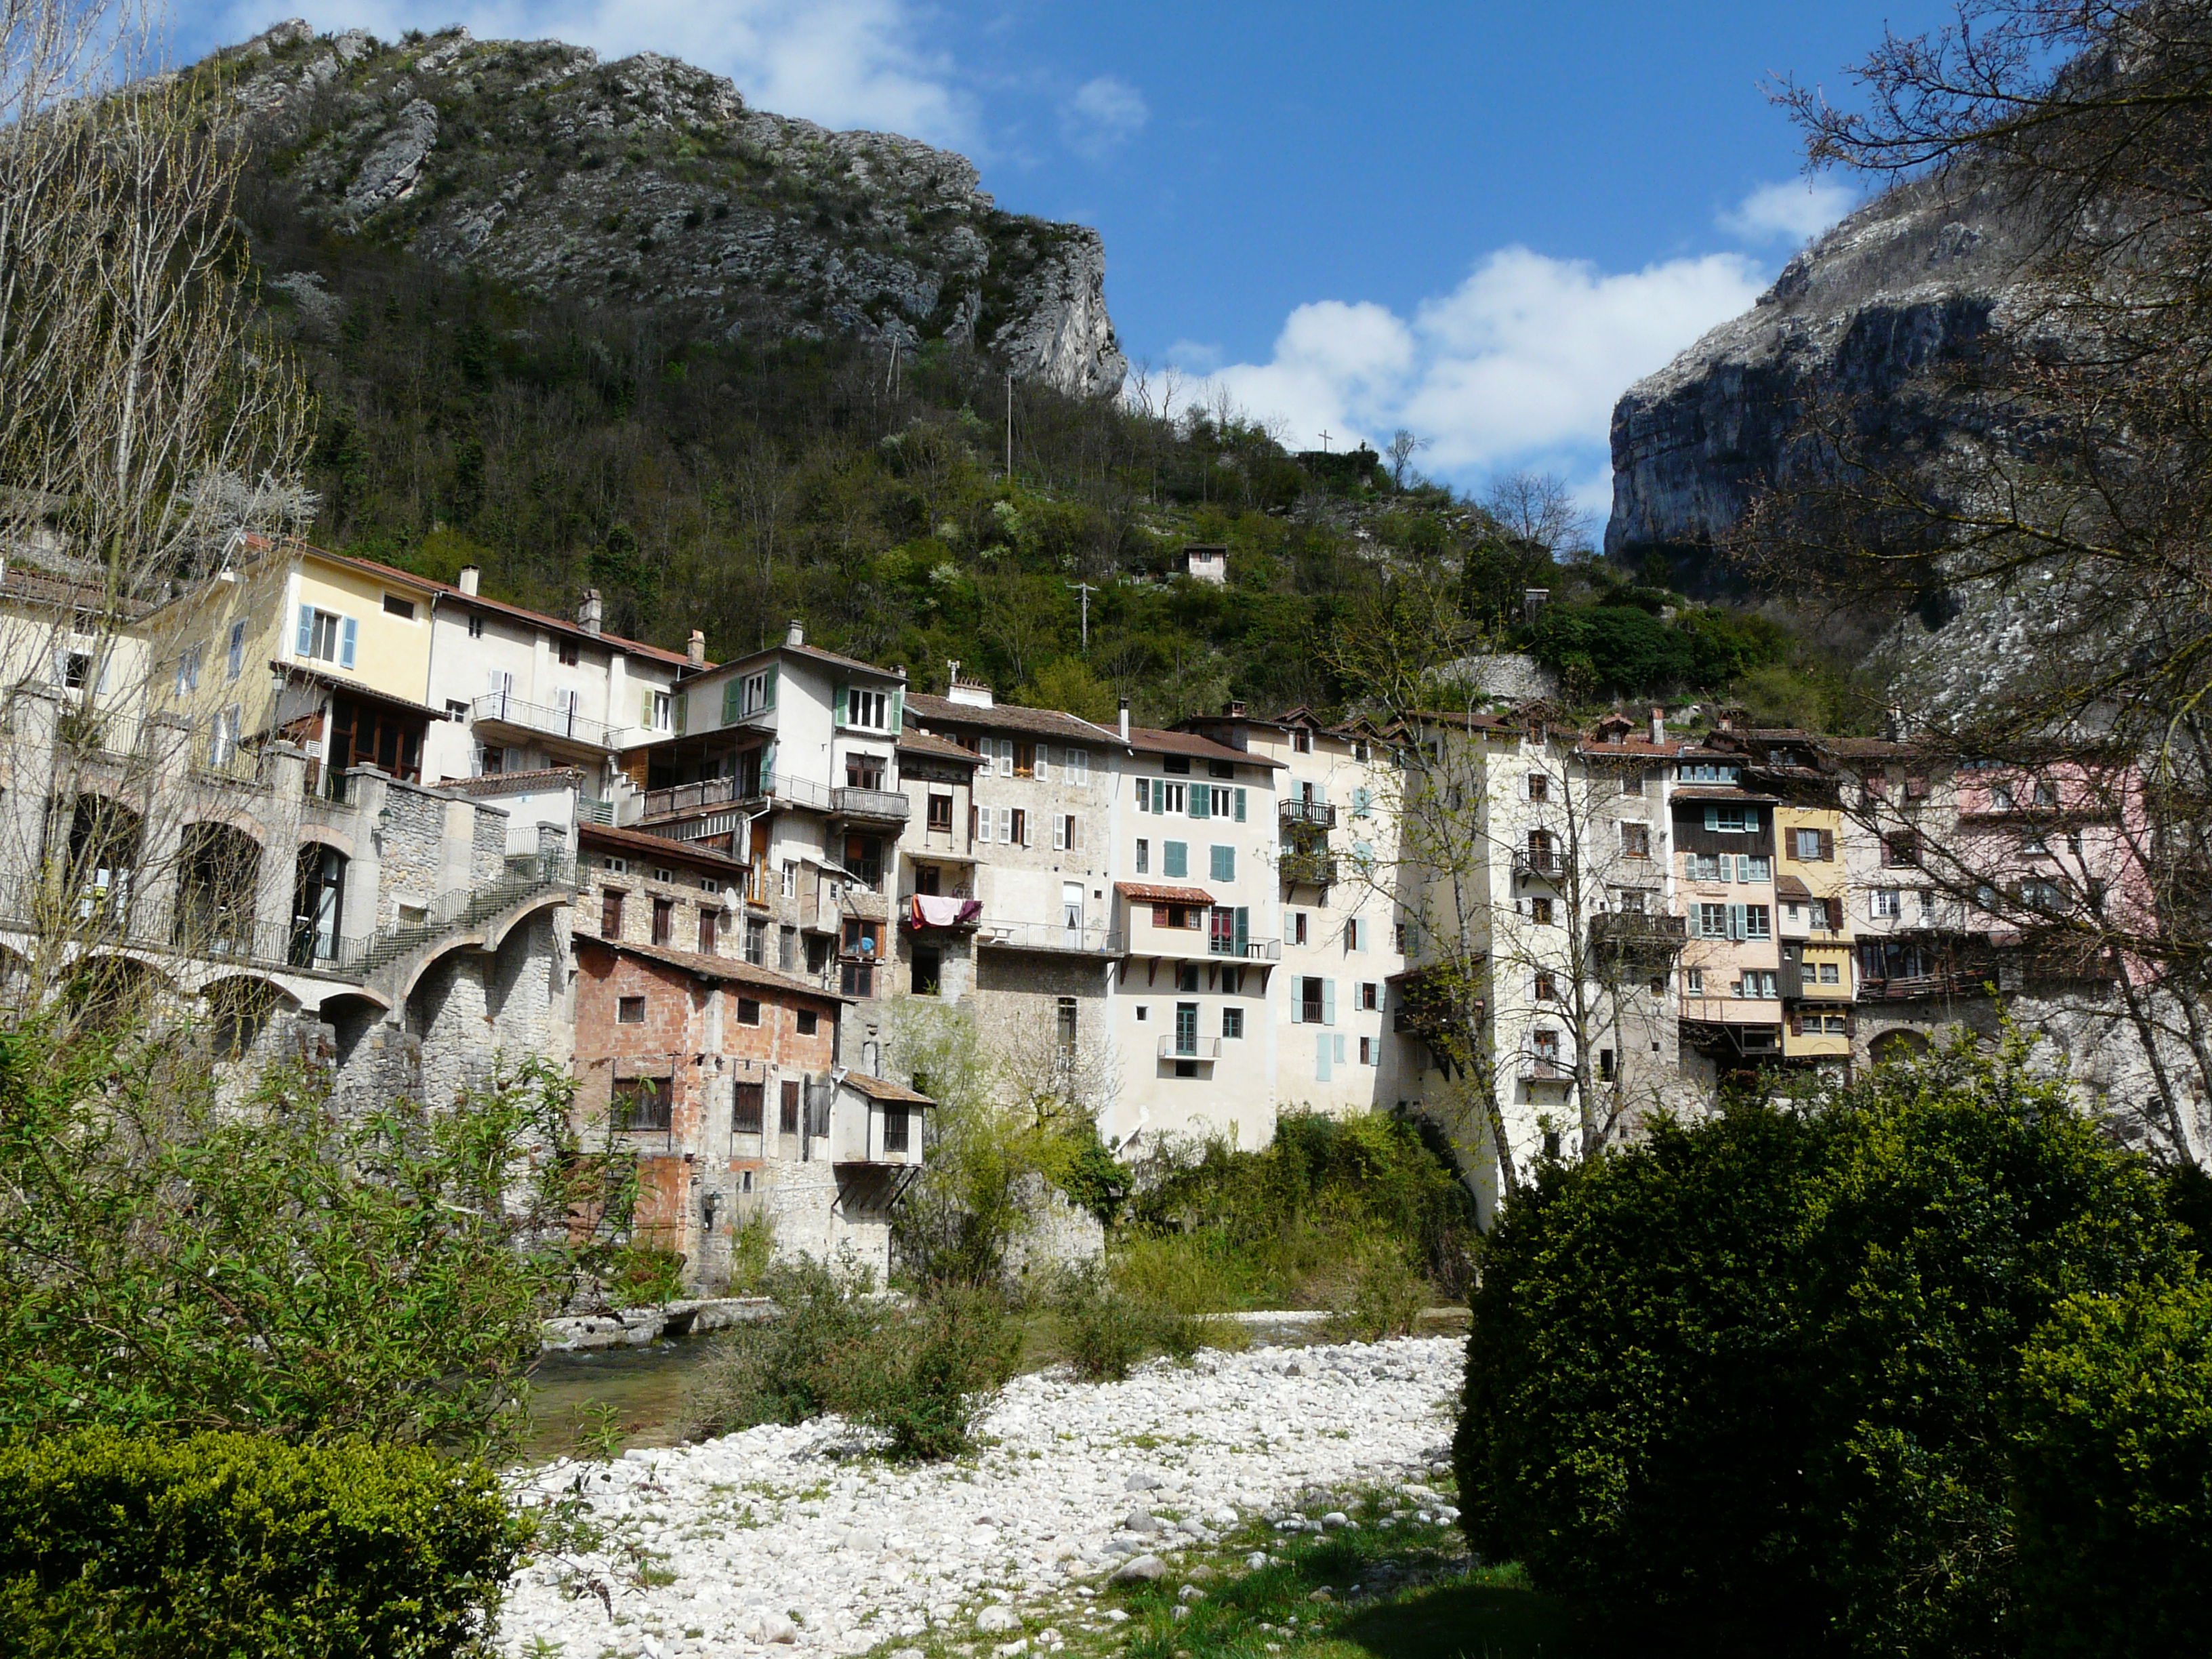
(1175, 857)
(1201, 799)
(1224, 863)
(733, 704)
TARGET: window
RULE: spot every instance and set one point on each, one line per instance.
(1371, 995)
(748, 1109)
(817, 954)
(1186, 1028)
(659, 710)
(870, 709)
(1545, 988)
(1066, 833)
(786, 1116)
(615, 866)
(2041, 895)
(1812, 845)
(610, 909)
(1313, 1002)
(757, 941)
(1175, 857)
(457, 711)
(1540, 912)
(1753, 868)
(2046, 794)
(1712, 920)
(1367, 1048)
(896, 1119)
(1064, 1014)
(1169, 798)
(1540, 786)
(1757, 982)
(864, 859)
(1143, 1011)
(325, 636)
(1694, 981)
(1605, 1067)
(1729, 820)
(748, 1010)
(1222, 863)
(234, 658)
(75, 669)
(1547, 1043)
(664, 920)
(188, 670)
(928, 971)
(810, 1023)
(1232, 1023)
(1144, 856)
(1631, 781)
(223, 737)
(1901, 849)
(1831, 972)
(476, 627)
(644, 1104)
(629, 1011)
(1886, 904)
(662, 872)
(940, 815)
(1708, 866)
(1301, 740)
(1186, 977)
(571, 653)
(861, 938)
(1757, 921)
(1297, 927)
(1837, 1024)
(1636, 841)
(754, 693)
(786, 948)
(403, 609)
(709, 923)
(1016, 821)
(1707, 772)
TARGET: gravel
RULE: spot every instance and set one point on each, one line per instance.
(795, 1541)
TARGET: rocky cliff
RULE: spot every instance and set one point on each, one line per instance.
(1914, 277)
(650, 184)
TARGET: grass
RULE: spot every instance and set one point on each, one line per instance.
(1408, 1591)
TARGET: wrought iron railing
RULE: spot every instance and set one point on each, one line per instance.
(563, 721)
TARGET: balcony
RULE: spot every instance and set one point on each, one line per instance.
(1308, 869)
(1306, 814)
(1543, 1069)
(502, 714)
(1190, 1048)
(876, 806)
(1531, 865)
(776, 788)
(1090, 939)
(1252, 950)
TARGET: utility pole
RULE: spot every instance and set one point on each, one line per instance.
(1085, 589)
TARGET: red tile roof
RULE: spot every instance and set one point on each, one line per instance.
(935, 711)
(516, 783)
(1150, 740)
(725, 968)
(877, 1088)
(1144, 892)
(662, 847)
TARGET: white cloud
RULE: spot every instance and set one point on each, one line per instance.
(1104, 114)
(1518, 365)
(1794, 211)
(842, 63)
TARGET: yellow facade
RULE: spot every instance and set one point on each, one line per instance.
(1809, 854)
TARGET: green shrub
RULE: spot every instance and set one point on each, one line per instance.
(1105, 1329)
(1381, 1295)
(112, 1545)
(1754, 1378)
(2113, 1477)
(645, 1276)
(929, 1372)
(783, 1369)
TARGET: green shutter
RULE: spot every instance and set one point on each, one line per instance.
(768, 701)
(899, 708)
(734, 690)
(1243, 927)
(844, 693)
(1712, 817)
(644, 709)
(683, 703)
(1201, 800)
(1240, 806)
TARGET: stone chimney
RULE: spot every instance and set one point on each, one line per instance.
(1658, 723)
(973, 693)
(796, 634)
(470, 576)
(1726, 720)
(695, 649)
(1125, 720)
(589, 613)
(1235, 709)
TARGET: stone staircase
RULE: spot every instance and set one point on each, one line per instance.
(528, 875)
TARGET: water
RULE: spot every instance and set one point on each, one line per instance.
(646, 1385)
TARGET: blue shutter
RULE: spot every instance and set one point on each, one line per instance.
(1328, 1002)
(306, 641)
(1243, 927)
(1201, 800)
(899, 708)
(1298, 1002)
(768, 770)
(1224, 864)
(843, 693)
(1339, 1046)
(732, 691)
(770, 701)
(1323, 1049)
(1360, 799)
(347, 635)
(1175, 858)
(1240, 806)
(1712, 817)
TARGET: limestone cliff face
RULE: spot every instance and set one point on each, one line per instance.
(1912, 278)
(651, 184)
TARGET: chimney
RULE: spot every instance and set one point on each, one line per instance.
(1658, 723)
(696, 650)
(1235, 709)
(589, 612)
(1726, 720)
(796, 634)
(1125, 720)
(469, 577)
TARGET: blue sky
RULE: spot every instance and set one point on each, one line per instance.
(1479, 221)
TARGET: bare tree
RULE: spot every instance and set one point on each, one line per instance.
(1403, 446)
(1537, 512)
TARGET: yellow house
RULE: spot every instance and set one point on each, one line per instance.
(1811, 890)
(289, 641)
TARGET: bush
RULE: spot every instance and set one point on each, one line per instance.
(2113, 1477)
(1105, 1330)
(922, 1374)
(1755, 1376)
(114, 1545)
(645, 1276)
(1383, 1295)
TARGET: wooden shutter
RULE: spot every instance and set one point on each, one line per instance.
(1827, 845)
(733, 691)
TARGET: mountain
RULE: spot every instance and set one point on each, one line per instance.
(649, 185)
(1915, 277)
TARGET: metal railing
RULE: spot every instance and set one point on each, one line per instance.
(719, 792)
(1089, 939)
(1312, 814)
(889, 805)
(527, 875)
(1312, 869)
(555, 720)
(591, 810)
(185, 928)
(1542, 866)
(1252, 950)
(1203, 1047)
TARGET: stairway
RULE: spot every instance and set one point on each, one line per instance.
(526, 877)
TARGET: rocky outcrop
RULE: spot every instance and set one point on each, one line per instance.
(650, 184)
(1914, 278)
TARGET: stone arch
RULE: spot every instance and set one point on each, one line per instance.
(109, 987)
(218, 883)
(350, 1017)
(1903, 1044)
(100, 840)
(240, 1008)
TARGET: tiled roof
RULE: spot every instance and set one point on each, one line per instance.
(877, 1088)
(354, 688)
(1720, 792)
(516, 783)
(1151, 740)
(916, 741)
(934, 711)
(728, 970)
(815, 652)
(663, 847)
(1790, 887)
(1145, 893)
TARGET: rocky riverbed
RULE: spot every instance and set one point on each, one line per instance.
(791, 1541)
